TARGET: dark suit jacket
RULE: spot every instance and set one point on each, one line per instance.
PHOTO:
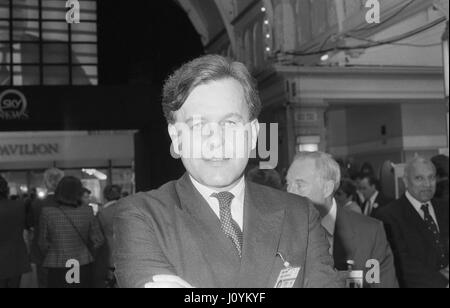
(382, 202)
(416, 256)
(360, 238)
(173, 231)
(13, 252)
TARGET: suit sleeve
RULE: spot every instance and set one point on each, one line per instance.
(411, 272)
(383, 254)
(319, 268)
(137, 253)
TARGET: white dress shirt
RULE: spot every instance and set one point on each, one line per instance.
(329, 224)
(418, 207)
(237, 205)
(369, 206)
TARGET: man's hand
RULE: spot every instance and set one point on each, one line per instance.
(167, 281)
(445, 272)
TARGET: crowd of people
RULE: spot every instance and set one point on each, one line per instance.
(40, 236)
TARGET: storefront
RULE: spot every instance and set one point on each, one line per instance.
(97, 158)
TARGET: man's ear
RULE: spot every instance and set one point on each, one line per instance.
(405, 180)
(255, 133)
(329, 188)
(175, 137)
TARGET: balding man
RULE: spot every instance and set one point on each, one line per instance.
(417, 228)
(352, 236)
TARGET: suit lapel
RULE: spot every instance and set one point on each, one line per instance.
(417, 222)
(205, 227)
(343, 249)
(442, 220)
(262, 232)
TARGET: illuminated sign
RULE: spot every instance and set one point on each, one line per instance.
(30, 149)
(13, 105)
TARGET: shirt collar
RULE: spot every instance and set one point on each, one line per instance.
(329, 221)
(374, 197)
(415, 203)
(206, 192)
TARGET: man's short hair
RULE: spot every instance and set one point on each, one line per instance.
(348, 188)
(418, 159)
(201, 71)
(112, 192)
(52, 177)
(326, 166)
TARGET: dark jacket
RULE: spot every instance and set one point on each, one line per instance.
(416, 255)
(381, 201)
(14, 259)
(173, 231)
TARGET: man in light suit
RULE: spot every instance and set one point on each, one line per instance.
(417, 228)
(352, 236)
(212, 228)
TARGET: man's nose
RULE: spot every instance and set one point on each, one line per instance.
(215, 136)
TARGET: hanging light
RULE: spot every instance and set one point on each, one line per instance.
(325, 58)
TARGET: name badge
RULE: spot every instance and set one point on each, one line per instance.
(354, 280)
(287, 277)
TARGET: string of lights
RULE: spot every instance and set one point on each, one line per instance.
(372, 44)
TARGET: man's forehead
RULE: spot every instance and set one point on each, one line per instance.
(423, 167)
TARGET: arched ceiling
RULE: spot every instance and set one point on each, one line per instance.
(212, 17)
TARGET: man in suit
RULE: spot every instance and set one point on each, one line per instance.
(374, 200)
(417, 228)
(212, 228)
(13, 252)
(352, 236)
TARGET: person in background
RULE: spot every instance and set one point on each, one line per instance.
(52, 177)
(104, 264)
(442, 186)
(352, 237)
(346, 196)
(69, 231)
(417, 228)
(266, 177)
(14, 260)
(374, 198)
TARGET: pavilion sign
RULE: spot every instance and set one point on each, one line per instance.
(28, 149)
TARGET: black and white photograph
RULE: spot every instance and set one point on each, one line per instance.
(224, 148)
